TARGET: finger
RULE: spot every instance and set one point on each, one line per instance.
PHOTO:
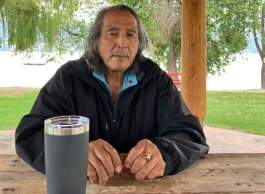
(92, 173)
(134, 153)
(138, 164)
(157, 171)
(100, 169)
(147, 168)
(115, 157)
(105, 159)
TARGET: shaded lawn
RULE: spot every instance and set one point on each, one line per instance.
(236, 110)
(13, 107)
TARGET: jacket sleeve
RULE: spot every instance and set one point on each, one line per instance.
(181, 140)
(53, 99)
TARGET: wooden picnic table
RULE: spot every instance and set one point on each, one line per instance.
(217, 173)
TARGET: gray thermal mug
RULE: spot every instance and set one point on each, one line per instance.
(66, 154)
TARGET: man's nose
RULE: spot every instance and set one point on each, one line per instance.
(121, 40)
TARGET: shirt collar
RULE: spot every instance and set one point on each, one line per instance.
(129, 80)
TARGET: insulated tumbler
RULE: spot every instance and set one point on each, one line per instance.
(66, 154)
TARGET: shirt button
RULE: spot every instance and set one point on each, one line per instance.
(129, 82)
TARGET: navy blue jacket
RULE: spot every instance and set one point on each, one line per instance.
(152, 109)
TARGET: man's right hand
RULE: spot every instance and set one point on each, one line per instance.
(103, 161)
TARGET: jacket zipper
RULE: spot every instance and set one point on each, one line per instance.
(116, 130)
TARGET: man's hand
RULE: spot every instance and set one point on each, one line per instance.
(142, 166)
(103, 161)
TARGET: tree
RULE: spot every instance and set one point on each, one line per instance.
(258, 22)
(28, 25)
(227, 31)
(169, 22)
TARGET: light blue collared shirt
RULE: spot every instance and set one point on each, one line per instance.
(129, 80)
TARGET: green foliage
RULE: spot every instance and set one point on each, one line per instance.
(30, 24)
(228, 23)
(243, 111)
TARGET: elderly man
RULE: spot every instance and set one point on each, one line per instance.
(132, 104)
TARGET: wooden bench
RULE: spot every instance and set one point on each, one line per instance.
(176, 77)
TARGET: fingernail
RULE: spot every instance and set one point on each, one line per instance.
(127, 165)
(118, 169)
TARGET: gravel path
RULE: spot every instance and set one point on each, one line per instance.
(12, 91)
(231, 141)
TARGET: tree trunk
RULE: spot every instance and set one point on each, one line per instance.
(173, 54)
(263, 47)
(169, 20)
(172, 57)
(263, 75)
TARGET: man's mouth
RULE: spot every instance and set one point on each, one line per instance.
(120, 56)
(118, 53)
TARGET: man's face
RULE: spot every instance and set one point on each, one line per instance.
(119, 41)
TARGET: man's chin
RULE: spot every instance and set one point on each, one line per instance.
(118, 67)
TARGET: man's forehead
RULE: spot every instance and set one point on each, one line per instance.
(116, 18)
(113, 26)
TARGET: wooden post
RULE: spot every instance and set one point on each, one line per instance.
(193, 56)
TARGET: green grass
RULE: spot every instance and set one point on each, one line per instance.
(13, 107)
(244, 111)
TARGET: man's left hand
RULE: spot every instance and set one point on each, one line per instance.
(145, 161)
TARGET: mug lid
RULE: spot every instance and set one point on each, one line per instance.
(66, 125)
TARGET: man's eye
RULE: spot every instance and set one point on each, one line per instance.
(113, 34)
(130, 35)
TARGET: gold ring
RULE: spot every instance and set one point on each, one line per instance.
(147, 156)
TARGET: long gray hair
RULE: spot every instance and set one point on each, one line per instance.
(92, 55)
